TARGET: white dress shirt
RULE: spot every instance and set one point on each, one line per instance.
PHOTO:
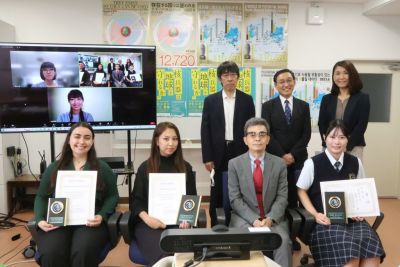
(306, 177)
(290, 99)
(229, 110)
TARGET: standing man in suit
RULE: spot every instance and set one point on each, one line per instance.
(223, 119)
(110, 69)
(290, 122)
(258, 188)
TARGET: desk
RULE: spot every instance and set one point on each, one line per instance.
(257, 259)
(24, 181)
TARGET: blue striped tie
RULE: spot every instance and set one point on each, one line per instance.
(288, 113)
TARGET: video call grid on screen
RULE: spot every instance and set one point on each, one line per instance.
(42, 84)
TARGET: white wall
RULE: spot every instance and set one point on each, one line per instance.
(346, 33)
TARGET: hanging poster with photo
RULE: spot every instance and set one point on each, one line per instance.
(311, 86)
(220, 33)
(265, 35)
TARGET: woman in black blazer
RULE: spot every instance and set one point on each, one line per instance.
(348, 103)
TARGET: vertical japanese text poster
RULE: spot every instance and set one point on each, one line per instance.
(220, 26)
(311, 86)
(173, 32)
(125, 22)
(265, 29)
(181, 91)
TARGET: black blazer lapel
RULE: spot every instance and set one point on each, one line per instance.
(219, 109)
(296, 109)
(351, 104)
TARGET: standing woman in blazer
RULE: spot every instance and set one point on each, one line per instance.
(348, 103)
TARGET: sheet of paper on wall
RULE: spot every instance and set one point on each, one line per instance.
(360, 196)
(165, 193)
(79, 187)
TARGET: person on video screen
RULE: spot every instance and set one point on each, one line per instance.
(121, 65)
(99, 76)
(128, 64)
(130, 78)
(84, 74)
(48, 73)
(118, 77)
(75, 114)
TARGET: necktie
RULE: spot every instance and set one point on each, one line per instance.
(258, 185)
(337, 166)
(288, 112)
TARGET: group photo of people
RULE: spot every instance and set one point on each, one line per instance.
(265, 159)
(120, 70)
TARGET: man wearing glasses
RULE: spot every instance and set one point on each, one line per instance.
(258, 188)
(223, 119)
(290, 124)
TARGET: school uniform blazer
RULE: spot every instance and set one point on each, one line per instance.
(286, 138)
(355, 117)
(242, 194)
(213, 125)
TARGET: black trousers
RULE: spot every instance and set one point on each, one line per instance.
(216, 190)
(72, 246)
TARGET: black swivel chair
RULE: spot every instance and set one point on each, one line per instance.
(307, 225)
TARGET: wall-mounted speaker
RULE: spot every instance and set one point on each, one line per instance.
(315, 15)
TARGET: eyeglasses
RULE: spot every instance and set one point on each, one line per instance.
(229, 74)
(254, 134)
(282, 82)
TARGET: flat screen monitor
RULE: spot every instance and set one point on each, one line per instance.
(48, 87)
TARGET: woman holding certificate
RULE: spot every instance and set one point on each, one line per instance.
(99, 78)
(351, 244)
(77, 245)
(165, 157)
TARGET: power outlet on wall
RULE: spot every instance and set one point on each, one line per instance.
(11, 151)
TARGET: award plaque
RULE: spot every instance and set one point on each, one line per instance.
(335, 208)
(57, 211)
(189, 209)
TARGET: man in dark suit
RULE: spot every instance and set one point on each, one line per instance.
(223, 119)
(290, 122)
(258, 188)
(110, 66)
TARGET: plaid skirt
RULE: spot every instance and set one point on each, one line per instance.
(334, 245)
